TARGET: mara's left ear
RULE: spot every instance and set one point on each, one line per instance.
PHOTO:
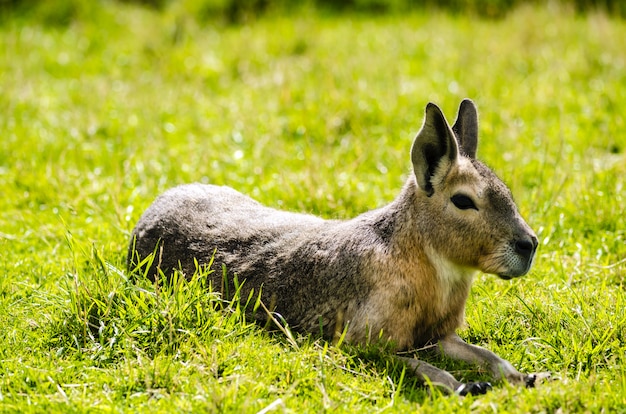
(466, 128)
(434, 148)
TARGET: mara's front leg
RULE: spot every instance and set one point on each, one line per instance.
(456, 348)
(440, 378)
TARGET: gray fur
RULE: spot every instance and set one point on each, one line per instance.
(401, 273)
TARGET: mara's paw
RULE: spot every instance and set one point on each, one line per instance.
(473, 388)
(532, 380)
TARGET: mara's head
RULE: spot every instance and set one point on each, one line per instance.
(468, 214)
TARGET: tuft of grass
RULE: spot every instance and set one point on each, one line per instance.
(110, 313)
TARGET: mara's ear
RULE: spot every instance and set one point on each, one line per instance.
(466, 128)
(434, 147)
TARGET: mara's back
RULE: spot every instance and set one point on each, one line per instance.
(186, 220)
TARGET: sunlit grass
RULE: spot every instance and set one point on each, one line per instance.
(308, 113)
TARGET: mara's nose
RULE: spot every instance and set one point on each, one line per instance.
(526, 246)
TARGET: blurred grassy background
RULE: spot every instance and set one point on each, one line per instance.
(61, 12)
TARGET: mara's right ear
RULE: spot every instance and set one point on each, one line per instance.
(434, 148)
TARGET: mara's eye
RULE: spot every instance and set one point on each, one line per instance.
(463, 202)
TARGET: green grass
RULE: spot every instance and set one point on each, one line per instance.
(308, 113)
